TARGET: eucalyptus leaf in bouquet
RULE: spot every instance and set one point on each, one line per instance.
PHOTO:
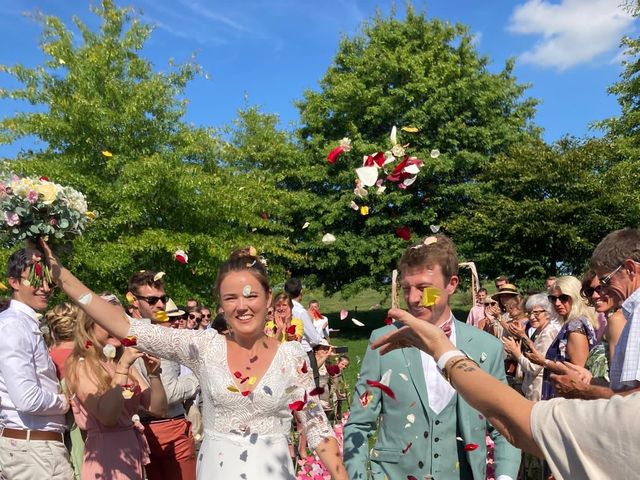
(36, 207)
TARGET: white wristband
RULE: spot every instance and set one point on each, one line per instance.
(446, 356)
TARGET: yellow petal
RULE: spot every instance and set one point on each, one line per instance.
(364, 210)
(107, 153)
(91, 215)
(3, 287)
(233, 388)
(430, 296)
(162, 316)
(130, 298)
(251, 380)
(410, 129)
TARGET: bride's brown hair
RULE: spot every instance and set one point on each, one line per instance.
(243, 260)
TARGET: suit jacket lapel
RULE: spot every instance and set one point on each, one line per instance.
(413, 361)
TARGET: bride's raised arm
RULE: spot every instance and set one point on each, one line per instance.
(110, 317)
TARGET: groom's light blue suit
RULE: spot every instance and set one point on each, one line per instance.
(432, 444)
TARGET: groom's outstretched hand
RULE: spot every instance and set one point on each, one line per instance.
(414, 333)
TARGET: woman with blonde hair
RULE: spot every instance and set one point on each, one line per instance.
(106, 391)
(576, 336)
(283, 326)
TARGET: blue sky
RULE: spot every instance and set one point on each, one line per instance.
(267, 52)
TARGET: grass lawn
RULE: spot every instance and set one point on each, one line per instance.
(369, 307)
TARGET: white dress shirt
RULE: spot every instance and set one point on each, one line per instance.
(625, 368)
(310, 338)
(439, 391)
(30, 397)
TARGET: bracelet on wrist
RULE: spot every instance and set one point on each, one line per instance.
(153, 376)
(122, 373)
(447, 371)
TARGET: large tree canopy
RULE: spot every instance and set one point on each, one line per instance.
(416, 72)
(113, 127)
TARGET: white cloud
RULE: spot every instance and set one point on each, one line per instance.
(573, 31)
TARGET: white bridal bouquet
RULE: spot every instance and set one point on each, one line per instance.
(37, 207)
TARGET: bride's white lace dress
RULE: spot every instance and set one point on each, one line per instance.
(245, 436)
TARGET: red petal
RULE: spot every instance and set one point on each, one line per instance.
(237, 374)
(470, 447)
(317, 391)
(365, 398)
(304, 368)
(264, 216)
(404, 233)
(137, 389)
(334, 154)
(181, 259)
(381, 386)
(44, 179)
(246, 393)
(406, 449)
(296, 406)
(375, 159)
(37, 267)
(129, 341)
(88, 344)
(411, 477)
(388, 320)
(244, 380)
(333, 370)
(291, 330)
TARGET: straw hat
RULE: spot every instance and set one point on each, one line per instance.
(506, 289)
(172, 309)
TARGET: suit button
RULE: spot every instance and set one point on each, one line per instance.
(426, 434)
(437, 422)
(436, 439)
(436, 455)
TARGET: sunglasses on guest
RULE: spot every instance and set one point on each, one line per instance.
(589, 291)
(193, 316)
(152, 299)
(564, 298)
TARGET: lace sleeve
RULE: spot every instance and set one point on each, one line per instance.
(313, 419)
(186, 347)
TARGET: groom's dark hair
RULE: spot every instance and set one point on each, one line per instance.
(19, 261)
(434, 250)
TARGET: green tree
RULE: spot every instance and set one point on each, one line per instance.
(541, 209)
(416, 72)
(113, 127)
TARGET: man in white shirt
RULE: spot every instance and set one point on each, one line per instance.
(32, 406)
(311, 337)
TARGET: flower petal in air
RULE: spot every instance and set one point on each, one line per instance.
(413, 169)
(409, 181)
(404, 233)
(296, 406)
(377, 159)
(357, 322)
(129, 341)
(107, 153)
(354, 205)
(344, 314)
(317, 391)
(181, 256)
(430, 296)
(306, 225)
(364, 210)
(367, 175)
(434, 228)
(470, 447)
(365, 398)
(383, 387)
(410, 129)
(334, 154)
(328, 238)
(158, 276)
(435, 153)
(161, 316)
(394, 136)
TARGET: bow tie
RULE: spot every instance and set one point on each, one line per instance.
(446, 327)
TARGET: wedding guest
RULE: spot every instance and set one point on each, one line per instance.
(428, 446)
(576, 336)
(106, 392)
(500, 281)
(541, 314)
(549, 282)
(32, 405)
(219, 324)
(173, 451)
(310, 337)
(62, 320)
(320, 322)
(205, 321)
(283, 326)
(192, 303)
(193, 319)
(476, 314)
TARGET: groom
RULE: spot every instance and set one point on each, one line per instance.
(427, 431)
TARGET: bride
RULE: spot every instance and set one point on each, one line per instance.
(251, 384)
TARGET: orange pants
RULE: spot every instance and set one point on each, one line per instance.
(173, 450)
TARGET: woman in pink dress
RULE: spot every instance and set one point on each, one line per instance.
(106, 391)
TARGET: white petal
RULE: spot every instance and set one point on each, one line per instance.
(386, 378)
(343, 314)
(411, 418)
(388, 158)
(367, 175)
(328, 238)
(381, 190)
(404, 377)
(409, 181)
(435, 153)
(393, 136)
(357, 322)
(354, 205)
(306, 225)
(412, 169)
(435, 228)
(407, 425)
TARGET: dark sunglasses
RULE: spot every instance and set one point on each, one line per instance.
(206, 316)
(564, 298)
(589, 291)
(193, 316)
(491, 303)
(152, 299)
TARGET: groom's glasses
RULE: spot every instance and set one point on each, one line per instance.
(152, 299)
